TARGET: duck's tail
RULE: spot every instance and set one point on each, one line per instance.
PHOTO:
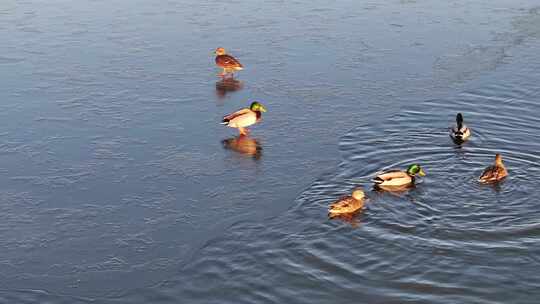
(377, 180)
(456, 133)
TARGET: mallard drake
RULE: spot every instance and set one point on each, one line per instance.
(244, 118)
(228, 63)
(347, 204)
(397, 178)
(494, 173)
(460, 132)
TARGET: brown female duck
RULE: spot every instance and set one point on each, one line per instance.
(347, 204)
(494, 173)
(228, 63)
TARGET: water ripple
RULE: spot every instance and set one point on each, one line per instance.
(427, 244)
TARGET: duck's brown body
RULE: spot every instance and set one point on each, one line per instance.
(347, 204)
(228, 63)
(495, 172)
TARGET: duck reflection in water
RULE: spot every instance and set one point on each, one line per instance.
(495, 186)
(398, 191)
(245, 145)
(227, 85)
(350, 218)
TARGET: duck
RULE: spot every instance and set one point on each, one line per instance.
(245, 117)
(398, 178)
(348, 204)
(228, 63)
(460, 132)
(495, 172)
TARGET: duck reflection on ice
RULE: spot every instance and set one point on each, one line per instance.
(245, 145)
(227, 85)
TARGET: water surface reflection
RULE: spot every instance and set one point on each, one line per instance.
(104, 198)
(244, 145)
(352, 219)
(398, 191)
(228, 85)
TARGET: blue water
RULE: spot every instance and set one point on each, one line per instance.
(120, 186)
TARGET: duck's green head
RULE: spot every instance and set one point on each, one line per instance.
(415, 169)
(257, 107)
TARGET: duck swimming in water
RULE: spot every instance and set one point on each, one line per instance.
(348, 204)
(228, 63)
(460, 132)
(245, 117)
(397, 178)
(494, 173)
